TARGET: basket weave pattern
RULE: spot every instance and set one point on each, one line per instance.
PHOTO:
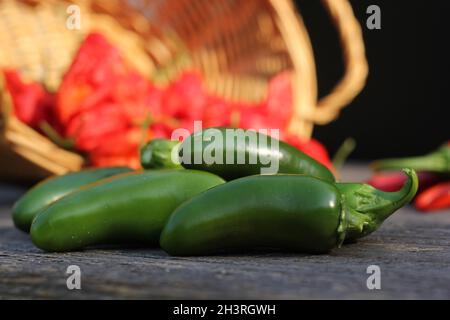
(237, 45)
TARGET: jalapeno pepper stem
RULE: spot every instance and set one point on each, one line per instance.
(157, 154)
(368, 207)
(438, 161)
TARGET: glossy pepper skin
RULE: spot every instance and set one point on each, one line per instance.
(157, 154)
(127, 209)
(288, 212)
(52, 189)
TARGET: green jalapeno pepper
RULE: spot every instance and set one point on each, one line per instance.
(54, 188)
(126, 209)
(237, 154)
(437, 161)
(289, 212)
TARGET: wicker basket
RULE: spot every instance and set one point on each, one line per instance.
(238, 45)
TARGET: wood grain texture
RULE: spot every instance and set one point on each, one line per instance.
(411, 249)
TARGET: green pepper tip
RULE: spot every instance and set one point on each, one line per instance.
(367, 207)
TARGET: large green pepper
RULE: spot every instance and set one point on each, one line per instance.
(289, 212)
(126, 209)
(54, 188)
(255, 153)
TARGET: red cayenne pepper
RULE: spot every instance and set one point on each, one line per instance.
(434, 198)
(393, 181)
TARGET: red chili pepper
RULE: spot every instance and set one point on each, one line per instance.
(92, 77)
(279, 102)
(91, 128)
(137, 97)
(434, 198)
(32, 104)
(393, 181)
(274, 112)
(255, 117)
(185, 98)
(105, 105)
(161, 130)
(217, 113)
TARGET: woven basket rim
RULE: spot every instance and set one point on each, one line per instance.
(309, 110)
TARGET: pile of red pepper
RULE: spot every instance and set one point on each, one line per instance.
(434, 175)
(105, 109)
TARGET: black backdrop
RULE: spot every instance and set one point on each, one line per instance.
(404, 107)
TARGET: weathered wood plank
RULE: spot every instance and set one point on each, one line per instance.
(411, 249)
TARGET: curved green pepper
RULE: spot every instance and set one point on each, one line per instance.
(254, 153)
(54, 188)
(131, 208)
(289, 212)
(437, 161)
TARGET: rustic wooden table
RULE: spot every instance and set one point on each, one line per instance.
(411, 249)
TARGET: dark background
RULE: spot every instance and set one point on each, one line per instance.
(404, 108)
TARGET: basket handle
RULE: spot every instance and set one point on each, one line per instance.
(309, 111)
(356, 66)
